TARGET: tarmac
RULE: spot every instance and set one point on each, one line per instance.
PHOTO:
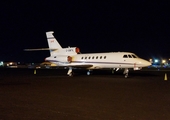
(28, 94)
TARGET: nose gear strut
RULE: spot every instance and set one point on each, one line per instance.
(126, 71)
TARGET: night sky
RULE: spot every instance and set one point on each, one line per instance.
(140, 27)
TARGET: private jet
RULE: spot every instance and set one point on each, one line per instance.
(71, 58)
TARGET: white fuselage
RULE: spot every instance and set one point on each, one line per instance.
(104, 60)
(71, 58)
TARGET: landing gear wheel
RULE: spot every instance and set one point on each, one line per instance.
(126, 75)
(88, 72)
(70, 74)
(126, 71)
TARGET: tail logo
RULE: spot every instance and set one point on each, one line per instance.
(52, 41)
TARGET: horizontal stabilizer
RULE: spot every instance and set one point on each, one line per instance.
(39, 49)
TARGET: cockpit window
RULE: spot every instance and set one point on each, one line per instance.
(125, 56)
(134, 56)
(129, 56)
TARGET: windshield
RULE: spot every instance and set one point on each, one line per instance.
(130, 56)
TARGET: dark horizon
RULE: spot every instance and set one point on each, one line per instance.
(140, 27)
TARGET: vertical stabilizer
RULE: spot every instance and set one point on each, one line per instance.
(52, 42)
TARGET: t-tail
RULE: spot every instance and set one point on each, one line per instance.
(53, 44)
(55, 48)
(57, 53)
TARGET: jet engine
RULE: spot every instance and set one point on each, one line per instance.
(59, 58)
(64, 59)
(70, 50)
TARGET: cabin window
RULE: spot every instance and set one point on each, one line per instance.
(104, 57)
(125, 56)
(85, 57)
(54, 56)
(100, 57)
(93, 57)
(81, 57)
(89, 57)
(96, 57)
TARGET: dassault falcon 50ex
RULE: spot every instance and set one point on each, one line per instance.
(72, 58)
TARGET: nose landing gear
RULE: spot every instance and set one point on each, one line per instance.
(126, 71)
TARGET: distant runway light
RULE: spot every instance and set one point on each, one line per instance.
(156, 60)
(163, 61)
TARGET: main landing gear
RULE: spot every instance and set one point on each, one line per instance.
(70, 72)
(126, 71)
(89, 72)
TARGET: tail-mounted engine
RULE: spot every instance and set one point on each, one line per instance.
(64, 59)
(59, 58)
(66, 51)
(71, 50)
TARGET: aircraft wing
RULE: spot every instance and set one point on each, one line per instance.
(80, 66)
(76, 66)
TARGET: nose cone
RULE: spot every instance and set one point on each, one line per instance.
(147, 63)
(144, 63)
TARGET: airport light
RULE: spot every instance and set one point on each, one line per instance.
(156, 60)
(150, 60)
(1, 63)
(163, 61)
